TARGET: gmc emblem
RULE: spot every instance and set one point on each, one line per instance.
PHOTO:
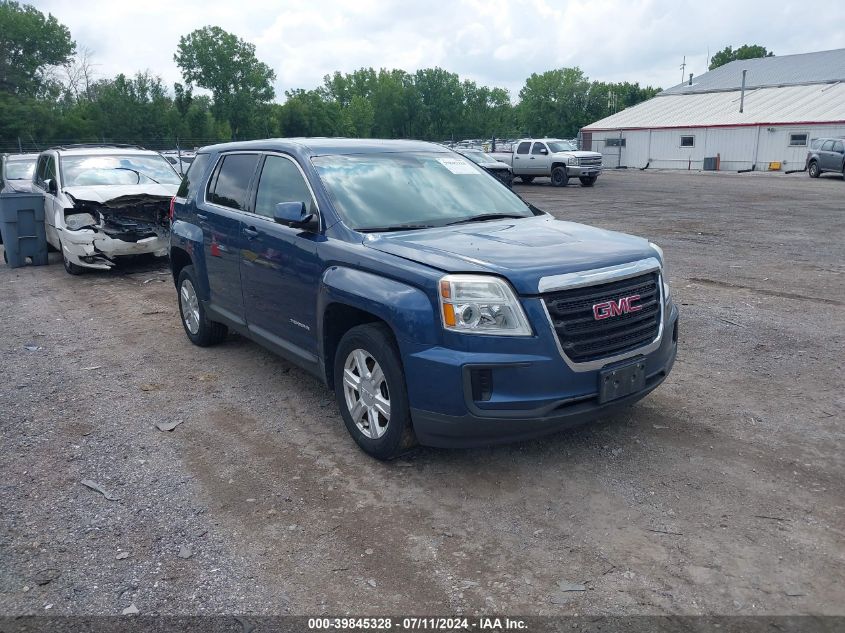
(608, 309)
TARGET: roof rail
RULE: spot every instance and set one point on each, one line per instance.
(96, 145)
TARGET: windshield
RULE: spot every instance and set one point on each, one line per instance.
(20, 169)
(417, 190)
(478, 156)
(117, 169)
(561, 146)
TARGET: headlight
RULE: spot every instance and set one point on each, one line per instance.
(481, 304)
(573, 160)
(663, 271)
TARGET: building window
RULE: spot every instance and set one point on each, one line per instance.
(614, 142)
(687, 141)
(798, 140)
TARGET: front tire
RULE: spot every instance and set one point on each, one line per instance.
(559, 177)
(201, 330)
(813, 170)
(370, 389)
(588, 181)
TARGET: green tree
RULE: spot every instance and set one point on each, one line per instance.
(227, 66)
(746, 51)
(555, 102)
(30, 44)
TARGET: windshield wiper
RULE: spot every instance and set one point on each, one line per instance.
(485, 216)
(139, 174)
(397, 227)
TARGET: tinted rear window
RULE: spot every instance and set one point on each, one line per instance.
(190, 183)
(229, 184)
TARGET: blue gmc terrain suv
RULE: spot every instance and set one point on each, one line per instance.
(440, 307)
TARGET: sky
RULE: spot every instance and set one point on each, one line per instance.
(493, 42)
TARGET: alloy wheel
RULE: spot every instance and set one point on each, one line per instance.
(190, 306)
(366, 393)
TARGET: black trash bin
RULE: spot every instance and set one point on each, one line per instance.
(22, 227)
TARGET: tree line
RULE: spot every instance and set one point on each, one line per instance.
(49, 93)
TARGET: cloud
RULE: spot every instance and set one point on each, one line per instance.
(493, 42)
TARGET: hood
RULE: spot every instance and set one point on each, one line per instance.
(116, 196)
(580, 153)
(18, 186)
(522, 251)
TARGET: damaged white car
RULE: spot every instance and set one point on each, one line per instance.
(105, 202)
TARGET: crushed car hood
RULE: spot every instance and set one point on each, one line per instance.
(121, 196)
(522, 250)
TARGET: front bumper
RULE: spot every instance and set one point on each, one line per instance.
(538, 395)
(583, 171)
(97, 250)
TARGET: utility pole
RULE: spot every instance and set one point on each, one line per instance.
(683, 67)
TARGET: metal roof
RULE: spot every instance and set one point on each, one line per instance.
(318, 146)
(786, 70)
(820, 103)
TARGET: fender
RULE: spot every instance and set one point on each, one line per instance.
(188, 237)
(406, 309)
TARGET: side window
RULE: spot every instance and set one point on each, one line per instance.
(281, 181)
(51, 167)
(839, 147)
(191, 181)
(538, 148)
(523, 147)
(228, 186)
(828, 146)
(41, 170)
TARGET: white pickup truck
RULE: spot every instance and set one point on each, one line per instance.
(553, 158)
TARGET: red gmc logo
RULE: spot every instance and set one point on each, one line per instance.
(608, 309)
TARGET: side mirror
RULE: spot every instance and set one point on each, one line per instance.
(293, 214)
(544, 151)
(51, 186)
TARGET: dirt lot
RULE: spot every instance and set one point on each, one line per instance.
(722, 492)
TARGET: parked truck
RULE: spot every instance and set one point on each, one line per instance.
(552, 158)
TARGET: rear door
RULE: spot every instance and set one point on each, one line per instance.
(838, 156)
(520, 158)
(220, 214)
(280, 269)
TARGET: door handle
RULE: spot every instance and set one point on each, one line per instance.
(202, 216)
(250, 232)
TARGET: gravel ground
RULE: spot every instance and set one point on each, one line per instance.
(720, 493)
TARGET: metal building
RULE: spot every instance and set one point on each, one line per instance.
(710, 121)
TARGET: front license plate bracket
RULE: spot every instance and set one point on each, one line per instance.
(621, 381)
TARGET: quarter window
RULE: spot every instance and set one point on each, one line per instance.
(523, 147)
(281, 181)
(229, 184)
(798, 140)
(688, 141)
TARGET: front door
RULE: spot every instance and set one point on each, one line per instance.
(220, 216)
(540, 161)
(280, 269)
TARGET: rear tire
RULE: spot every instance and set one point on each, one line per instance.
(527, 180)
(369, 381)
(813, 170)
(588, 181)
(559, 177)
(201, 330)
(70, 267)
